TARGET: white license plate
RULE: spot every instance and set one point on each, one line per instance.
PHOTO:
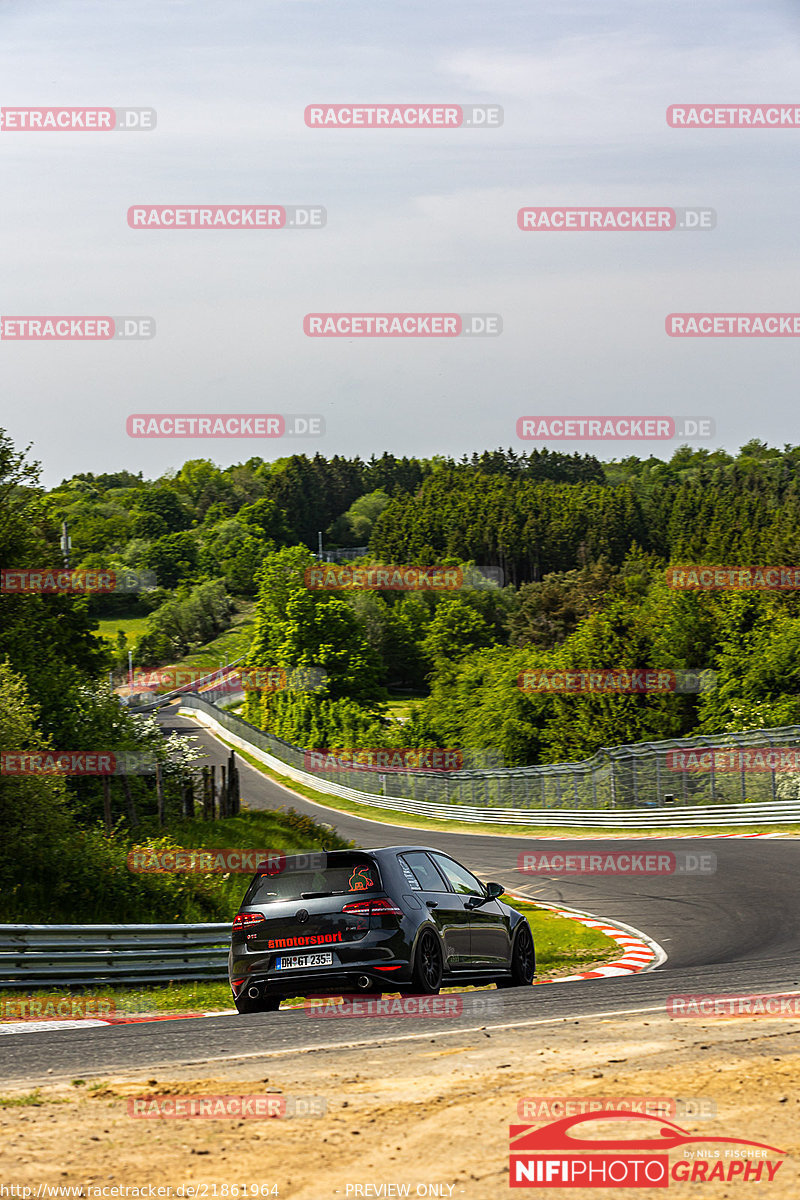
(288, 963)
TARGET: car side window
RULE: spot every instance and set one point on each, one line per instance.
(461, 880)
(423, 871)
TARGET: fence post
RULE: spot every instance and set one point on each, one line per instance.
(107, 803)
(130, 803)
(237, 792)
(160, 794)
(188, 800)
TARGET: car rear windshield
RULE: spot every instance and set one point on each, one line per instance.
(346, 876)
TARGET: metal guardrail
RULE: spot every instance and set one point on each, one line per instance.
(44, 955)
(628, 786)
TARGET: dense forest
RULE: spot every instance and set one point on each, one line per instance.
(579, 548)
(564, 562)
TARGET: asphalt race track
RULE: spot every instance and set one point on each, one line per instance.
(735, 931)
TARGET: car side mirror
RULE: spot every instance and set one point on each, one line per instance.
(493, 890)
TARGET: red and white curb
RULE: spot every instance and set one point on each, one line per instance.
(640, 952)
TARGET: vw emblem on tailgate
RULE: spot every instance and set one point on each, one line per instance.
(302, 915)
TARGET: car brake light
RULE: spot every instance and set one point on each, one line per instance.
(242, 920)
(383, 906)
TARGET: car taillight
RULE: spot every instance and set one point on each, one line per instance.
(242, 920)
(383, 906)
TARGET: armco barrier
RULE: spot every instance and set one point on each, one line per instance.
(46, 955)
(591, 794)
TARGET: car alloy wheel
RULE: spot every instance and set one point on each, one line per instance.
(428, 964)
(523, 960)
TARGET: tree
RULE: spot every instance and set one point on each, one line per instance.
(455, 631)
(173, 558)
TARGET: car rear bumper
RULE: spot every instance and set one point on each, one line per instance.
(326, 981)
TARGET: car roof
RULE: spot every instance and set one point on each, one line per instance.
(405, 849)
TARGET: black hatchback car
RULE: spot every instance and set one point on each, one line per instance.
(397, 919)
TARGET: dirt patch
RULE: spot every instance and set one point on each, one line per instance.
(429, 1114)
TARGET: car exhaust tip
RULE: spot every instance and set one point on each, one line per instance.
(253, 993)
(364, 982)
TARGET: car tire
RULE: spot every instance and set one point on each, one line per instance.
(426, 976)
(246, 1004)
(523, 960)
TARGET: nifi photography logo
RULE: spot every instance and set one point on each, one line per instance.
(656, 1153)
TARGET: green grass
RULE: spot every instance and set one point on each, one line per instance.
(232, 644)
(29, 1100)
(387, 816)
(133, 628)
(270, 830)
(564, 946)
(401, 703)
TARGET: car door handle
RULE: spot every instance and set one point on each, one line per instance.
(432, 903)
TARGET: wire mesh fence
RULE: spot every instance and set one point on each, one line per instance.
(756, 767)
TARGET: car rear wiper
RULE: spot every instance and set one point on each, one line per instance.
(317, 895)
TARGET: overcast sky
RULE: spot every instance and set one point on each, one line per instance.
(418, 221)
